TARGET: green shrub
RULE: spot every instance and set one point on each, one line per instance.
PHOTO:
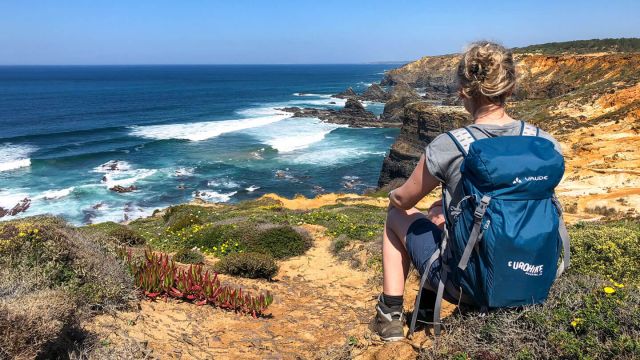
(52, 276)
(219, 240)
(249, 265)
(281, 242)
(358, 222)
(188, 256)
(126, 236)
(181, 217)
(182, 221)
(606, 250)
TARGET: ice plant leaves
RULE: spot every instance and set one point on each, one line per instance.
(158, 276)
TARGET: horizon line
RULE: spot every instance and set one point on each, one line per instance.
(218, 64)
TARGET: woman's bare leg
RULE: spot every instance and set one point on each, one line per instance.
(395, 260)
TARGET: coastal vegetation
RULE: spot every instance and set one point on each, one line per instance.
(249, 264)
(53, 277)
(157, 275)
(583, 46)
(592, 312)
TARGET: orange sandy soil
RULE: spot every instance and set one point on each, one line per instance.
(602, 169)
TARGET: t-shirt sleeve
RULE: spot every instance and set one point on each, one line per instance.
(439, 155)
(549, 137)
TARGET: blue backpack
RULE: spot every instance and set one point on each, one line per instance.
(503, 244)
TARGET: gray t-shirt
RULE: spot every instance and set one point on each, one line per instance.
(444, 159)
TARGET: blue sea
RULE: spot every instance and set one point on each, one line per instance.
(70, 133)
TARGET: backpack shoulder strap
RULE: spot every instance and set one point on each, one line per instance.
(564, 238)
(463, 138)
(527, 129)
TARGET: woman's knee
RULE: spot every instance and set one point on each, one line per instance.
(399, 220)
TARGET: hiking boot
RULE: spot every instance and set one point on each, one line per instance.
(389, 322)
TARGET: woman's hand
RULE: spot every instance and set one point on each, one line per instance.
(436, 214)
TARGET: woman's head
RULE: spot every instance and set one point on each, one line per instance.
(486, 75)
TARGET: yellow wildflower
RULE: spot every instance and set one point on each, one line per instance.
(609, 290)
(616, 284)
(577, 322)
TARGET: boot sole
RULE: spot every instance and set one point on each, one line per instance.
(392, 338)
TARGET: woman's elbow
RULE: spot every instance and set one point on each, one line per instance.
(402, 202)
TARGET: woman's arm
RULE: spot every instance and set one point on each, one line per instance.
(419, 184)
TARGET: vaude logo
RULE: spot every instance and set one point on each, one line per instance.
(517, 180)
(531, 270)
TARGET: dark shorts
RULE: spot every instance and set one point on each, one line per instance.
(422, 241)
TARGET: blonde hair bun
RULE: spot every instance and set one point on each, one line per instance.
(487, 69)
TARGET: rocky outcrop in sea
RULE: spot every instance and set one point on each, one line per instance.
(375, 93)
(347, 94)
(353, 114)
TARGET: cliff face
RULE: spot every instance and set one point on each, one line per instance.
(565, 92)
(589, 102)
(422, 122)
(434, 73)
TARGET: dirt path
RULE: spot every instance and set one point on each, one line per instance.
(320, 304)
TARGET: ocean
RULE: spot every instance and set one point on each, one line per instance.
(70, 133)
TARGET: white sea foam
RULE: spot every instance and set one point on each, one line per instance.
(325, 101)
(112, 166)
(294, 134)
(203, 130)
(312, 95)
(213, 196)
(126, 213)
(15, 156)
(127, 178)
(10, 198)
(252, 188)
(334, 156)
(55, 194)
(223, 183)
(183, 172)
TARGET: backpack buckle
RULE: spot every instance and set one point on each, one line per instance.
(478, 214)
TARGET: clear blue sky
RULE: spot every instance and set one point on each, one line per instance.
(283, 31)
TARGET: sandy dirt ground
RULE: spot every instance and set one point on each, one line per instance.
(320, 305)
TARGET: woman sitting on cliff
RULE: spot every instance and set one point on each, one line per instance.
(486, 77)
